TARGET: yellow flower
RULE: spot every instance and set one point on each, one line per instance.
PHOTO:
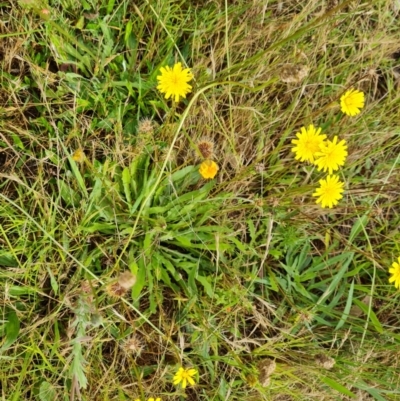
(174, 81)
(208, 169)
(330, 191)
(332, 155)
(308, 143)
(395, 272)
(351, 102)
(185, 376)
(78, 156)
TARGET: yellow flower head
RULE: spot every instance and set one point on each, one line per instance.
(332, 155)
(185, 376)
(78, 156)
(174, 81)
(395, 272)
(330, 191)
(308, 143)
(208, 169)
(352, 102)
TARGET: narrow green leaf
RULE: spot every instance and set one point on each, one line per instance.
(311, 272)
(68, 195)
(128, 30)
(110, 6)
(358, 227)
(78, 175)
(273, 281)
(53, 281)
(140, 280)
(126, 182)
(337, 386)
(334, 283)
(7, 259)
(206, 285)
(192, 273)
(16, 290)
(374, 320)
(180, 174)
(374, 392)
(12, 330)
(171, 269)
(347, 308)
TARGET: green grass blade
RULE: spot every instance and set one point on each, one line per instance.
(12, 330)
(347, 308)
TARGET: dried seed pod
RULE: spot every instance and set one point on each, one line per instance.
(293, 73)
(206, 148)
(265, 369)
(134, 345)
(126, 280)
(324, 361)
(146, 126)
(119, 288)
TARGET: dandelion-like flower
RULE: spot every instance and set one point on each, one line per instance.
(184, 376)
(332, 155)
(174, 81)
(352, 102)
(78, 155)
(208, 169)
(395, 274)
(330, 191)
(308, 143)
